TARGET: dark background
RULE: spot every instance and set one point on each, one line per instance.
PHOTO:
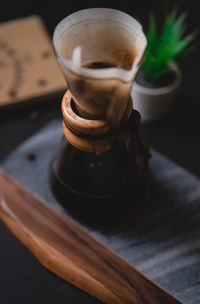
(177, 136)
(22, 279)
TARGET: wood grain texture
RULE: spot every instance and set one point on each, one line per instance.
(65, 249)
(77, 129)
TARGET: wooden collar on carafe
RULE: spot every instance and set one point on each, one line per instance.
(85, 134)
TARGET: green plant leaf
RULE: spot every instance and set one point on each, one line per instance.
(152, 33)
(165, 36)
(179, 46)
(178, 28)
(170, 44)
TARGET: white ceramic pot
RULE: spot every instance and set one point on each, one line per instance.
(154, 103)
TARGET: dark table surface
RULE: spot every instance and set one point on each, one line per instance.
(176, 136)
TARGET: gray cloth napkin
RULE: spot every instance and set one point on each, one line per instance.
(161, 237)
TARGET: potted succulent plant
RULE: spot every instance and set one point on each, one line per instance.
(160, 76)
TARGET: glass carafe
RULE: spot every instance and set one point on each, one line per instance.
(100, 51)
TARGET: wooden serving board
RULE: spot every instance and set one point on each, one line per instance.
(65, 249)
(28, 68)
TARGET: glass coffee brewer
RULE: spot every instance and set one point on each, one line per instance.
(101, 155)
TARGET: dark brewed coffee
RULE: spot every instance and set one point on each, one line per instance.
(98, 65)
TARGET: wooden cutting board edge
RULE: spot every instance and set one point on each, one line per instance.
(50, 258)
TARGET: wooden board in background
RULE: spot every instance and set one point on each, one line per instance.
(28, 68)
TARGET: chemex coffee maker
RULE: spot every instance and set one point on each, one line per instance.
(101, 154)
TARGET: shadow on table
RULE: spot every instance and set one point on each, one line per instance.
(150, 204)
